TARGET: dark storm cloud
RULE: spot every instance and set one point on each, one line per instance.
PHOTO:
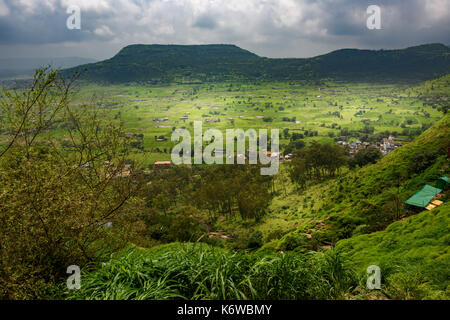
(403, 22)
(205, 22)
(44, 22)
(268, 27)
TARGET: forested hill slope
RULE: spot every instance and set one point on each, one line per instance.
(372, 197)
(195, 63)
(420, 62)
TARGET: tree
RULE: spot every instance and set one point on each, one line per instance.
(185, 227)
(421, 160)
(317, 161)
(371, 154)
(294, 145)
(56, 200)
(298, 172)
(252, 203)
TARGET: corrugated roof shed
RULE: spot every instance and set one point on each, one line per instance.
(424, 196)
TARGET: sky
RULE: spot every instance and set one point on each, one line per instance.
(270, 28)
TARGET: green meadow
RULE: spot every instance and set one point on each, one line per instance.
(322, 110)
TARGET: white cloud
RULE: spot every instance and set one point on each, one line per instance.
(103, 31)
(268, 27)
(30, 7)
(4, 10)
(97, 6)
(437, 9)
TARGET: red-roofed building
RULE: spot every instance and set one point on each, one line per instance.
(162, 164)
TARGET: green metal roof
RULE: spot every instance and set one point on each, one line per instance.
(445, 178)
(423, 196)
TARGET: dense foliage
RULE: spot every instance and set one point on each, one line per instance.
(365, 156)
(194, 271)
(57, 190)
(317, 161)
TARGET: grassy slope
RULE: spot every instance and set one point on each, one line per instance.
(358, 202)
(364, 197)
(412, 254)
(199, 271)
(420, 242)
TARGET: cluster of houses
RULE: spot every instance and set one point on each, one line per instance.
(281, 156)
(385, 146)
(389, 144)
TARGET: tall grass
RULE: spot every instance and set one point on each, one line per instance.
(198, 271)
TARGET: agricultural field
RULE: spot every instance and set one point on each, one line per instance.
(318, 111)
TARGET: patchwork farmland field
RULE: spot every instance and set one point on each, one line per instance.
(318, 111)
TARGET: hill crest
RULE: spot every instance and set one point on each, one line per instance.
(226, 62)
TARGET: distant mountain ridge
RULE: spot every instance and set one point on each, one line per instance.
(221, 62)
(24, 67)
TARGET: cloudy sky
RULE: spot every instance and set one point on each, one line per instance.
(271, 28)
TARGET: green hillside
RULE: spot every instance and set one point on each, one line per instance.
(199, 63)
(155, 63)
(410, 248)
(368, 199)
(417, 246)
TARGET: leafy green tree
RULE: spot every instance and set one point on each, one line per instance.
(421, 160)
(371, 154)
(185, 226)
(56, 200)
(316, 161)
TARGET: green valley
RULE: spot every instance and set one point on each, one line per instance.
(360, 133)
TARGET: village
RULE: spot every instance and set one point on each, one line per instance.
(386, 145)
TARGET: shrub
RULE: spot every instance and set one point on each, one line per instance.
(421, 160)
(185, 227)
(275, 235)
(407, 286)
(255, 240)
